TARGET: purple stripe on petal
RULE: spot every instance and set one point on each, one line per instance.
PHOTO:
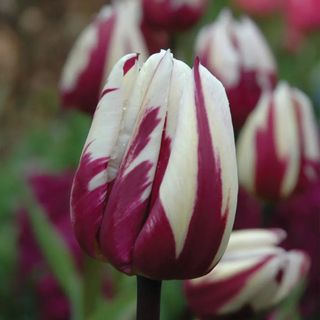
(87, 206)
(270, 169)
(154, 253)
(126, 209)
(107, 90)
(129, 64)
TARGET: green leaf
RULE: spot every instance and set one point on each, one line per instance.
(58, 257)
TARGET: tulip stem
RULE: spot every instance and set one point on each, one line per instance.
(148, 300)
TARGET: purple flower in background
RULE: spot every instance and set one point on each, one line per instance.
(156, 187)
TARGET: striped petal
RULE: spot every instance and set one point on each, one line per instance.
(268, 154)
(247, 280)
(126, 209)
(199, 186)
(102, 154)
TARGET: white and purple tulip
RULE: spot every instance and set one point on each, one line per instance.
(156, 188)
(253, 275)
(238, 54)
(278, 147)
(173, 15)
(113, 33)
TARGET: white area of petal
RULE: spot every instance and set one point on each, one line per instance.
(223, 57)
(287, 145)
(127, 36)
(178, 187)
(253, 48)
(103, 137)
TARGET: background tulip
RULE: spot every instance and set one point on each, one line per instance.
(268, 150)
(237, 53)
(96, 50)
(155, 191)
(173, 14)
(253, 275)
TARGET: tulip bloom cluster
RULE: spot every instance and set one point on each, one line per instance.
(157, 179)
(95, 52)
(278, 148)
(253, 275)
(238, 54)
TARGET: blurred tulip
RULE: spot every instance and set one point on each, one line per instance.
(237, 53)
(300, 217)
(276, 160)
(155, 191)
(309, 141)
(114, 32)
(268, 146)
(252, 276)
(173, 14)
(259, 7)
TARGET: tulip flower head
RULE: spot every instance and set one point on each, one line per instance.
(155, 191)
(237, 53)
(253, 275)
(95, 52)
(278, 147)
(173, 14)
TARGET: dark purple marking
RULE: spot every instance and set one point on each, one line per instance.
(129, 64)
(270, 169)
(125, 212)
(88, 206)
(107, 90)
(154, 254)
(85, 95)
(208, 298)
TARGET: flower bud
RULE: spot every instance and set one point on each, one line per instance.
(155, 191)
(237, 53)
(275, 159)
(173, 14)
(114, 32)
(253, 275)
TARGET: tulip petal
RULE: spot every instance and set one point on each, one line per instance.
(100, 158)
(126, 209)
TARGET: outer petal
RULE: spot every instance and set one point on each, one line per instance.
(268, 155)
(102, 154)
(197, 197)
(126, 209)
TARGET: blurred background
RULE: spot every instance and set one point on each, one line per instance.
(38, 136)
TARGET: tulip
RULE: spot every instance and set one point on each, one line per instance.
(173, 14)
(276, 160)
(156, 187)
(114, 32)
(252, 276)
(237, 53)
